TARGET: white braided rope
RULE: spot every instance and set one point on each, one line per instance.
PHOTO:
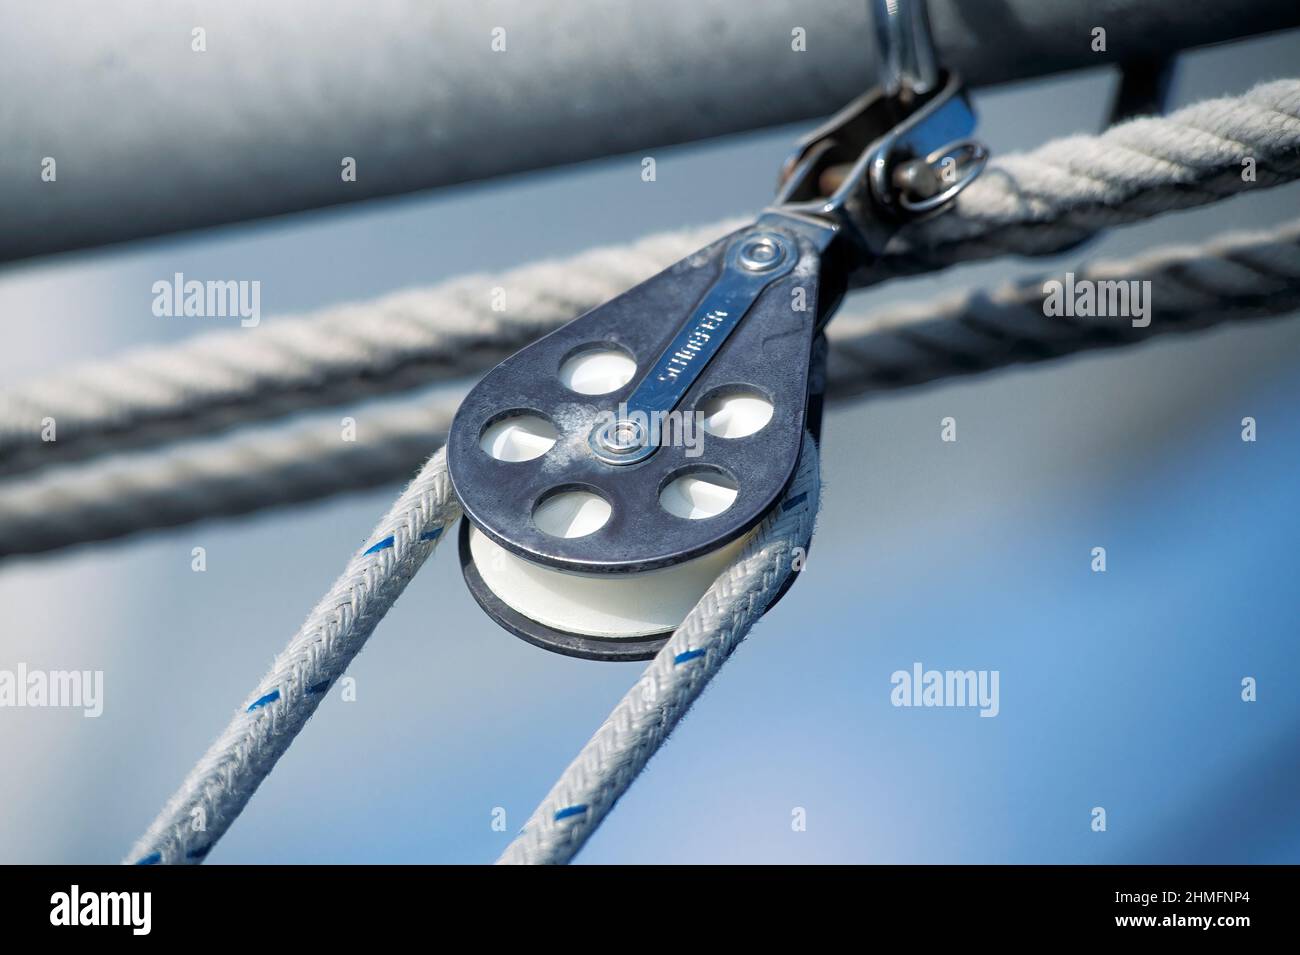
(223, 781)
(641, 722)
(1038, 202)
(1235, 277)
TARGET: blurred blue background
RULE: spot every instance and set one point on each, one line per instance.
(1119, 690)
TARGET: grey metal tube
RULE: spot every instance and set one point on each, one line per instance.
(149, 136)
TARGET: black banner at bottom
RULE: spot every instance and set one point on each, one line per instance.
(335, 904)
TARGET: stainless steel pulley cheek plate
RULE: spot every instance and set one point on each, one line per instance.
(739, 316)
(610, 472)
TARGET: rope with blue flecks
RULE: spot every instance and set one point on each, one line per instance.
(641, 722)
(220, 785)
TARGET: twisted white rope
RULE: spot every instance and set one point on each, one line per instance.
(391, 344)
(1038, 202)
(218, 788)
(641, 722)
(190, 481)
(1235, 277)
(1049, 199)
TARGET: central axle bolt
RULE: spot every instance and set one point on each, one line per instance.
(621, 437)
(761, 254)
